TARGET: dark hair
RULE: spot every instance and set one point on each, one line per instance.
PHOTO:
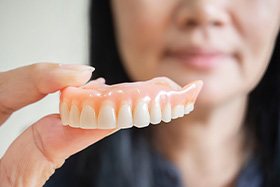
(263, 119)
(129, 157)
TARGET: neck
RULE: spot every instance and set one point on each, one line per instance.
(209, 142)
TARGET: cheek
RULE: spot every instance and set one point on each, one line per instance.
(141, 26)
(139, 49)
(258, 37)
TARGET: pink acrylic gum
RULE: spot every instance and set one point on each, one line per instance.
(154, 96)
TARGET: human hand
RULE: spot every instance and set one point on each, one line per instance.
(33, 157)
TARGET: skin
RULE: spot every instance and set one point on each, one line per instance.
(145, 29)
(45, 145)
(210, 142)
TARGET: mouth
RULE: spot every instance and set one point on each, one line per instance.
(199, 58)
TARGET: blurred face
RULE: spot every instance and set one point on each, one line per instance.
(227, 44)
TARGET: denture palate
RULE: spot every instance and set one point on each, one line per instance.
(100, 106)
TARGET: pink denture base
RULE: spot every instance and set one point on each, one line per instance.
(161, 89)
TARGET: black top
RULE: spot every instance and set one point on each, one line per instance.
(77, 173)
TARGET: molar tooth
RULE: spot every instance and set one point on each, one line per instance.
(125, 116)
(155, 113)
(166, 113)
(74, 116)
(141, 115)
(188, 108)
(64, 113)
(107, 116)
(88, 118)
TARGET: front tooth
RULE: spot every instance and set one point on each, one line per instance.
(88, 118)
(155, 113)
(177, 111)
(107, 116)
(74, 116)
(64, 113)
(125, 116)
(188, 108)
(166, 113)
(141, 115)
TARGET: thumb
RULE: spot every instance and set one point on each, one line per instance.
(34, 155)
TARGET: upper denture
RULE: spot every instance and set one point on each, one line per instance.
(97, 105)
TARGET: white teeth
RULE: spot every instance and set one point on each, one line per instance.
(166, 113)
(141, 115)
(74, 116)
(155, 113)
(125, 116)
(107, 116)
(174, 114)
(64, 113)
(180, 110)
(188, 108)
(177, 111)
(88, 118)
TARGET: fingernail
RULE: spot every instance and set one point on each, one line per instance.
(77, 67)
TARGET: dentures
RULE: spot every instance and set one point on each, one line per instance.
(100, 106)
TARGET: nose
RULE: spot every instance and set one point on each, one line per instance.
(200, 13)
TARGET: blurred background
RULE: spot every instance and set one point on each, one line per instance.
(34, 31)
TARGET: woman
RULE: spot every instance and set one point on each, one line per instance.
(232, 137)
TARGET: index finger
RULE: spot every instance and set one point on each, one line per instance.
(25, 85)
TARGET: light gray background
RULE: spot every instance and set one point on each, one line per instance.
(40, 31)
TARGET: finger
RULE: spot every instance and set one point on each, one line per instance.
(59, 142)
(25, 85)
(43, 148)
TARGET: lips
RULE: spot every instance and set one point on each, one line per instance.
(199, 58)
